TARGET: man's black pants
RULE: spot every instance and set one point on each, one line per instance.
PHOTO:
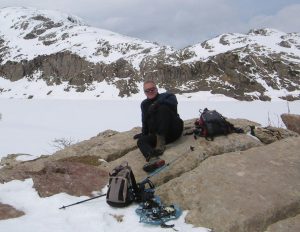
(164, 122)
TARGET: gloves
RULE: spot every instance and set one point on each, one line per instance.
(137, 136)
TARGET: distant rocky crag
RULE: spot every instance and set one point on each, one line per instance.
(233, 76)
(240, 182)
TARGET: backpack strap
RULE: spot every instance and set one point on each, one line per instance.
(117, 169)
(133, 182)
(147, 181)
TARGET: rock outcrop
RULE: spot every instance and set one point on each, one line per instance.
(237, 182)
(74, 178)
(292, 122)
(271, 134)
(241, 191)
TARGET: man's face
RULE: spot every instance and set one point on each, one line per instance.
(150, 90)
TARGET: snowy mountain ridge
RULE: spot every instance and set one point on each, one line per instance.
(263, 41)
(29, 33)
(60, 51)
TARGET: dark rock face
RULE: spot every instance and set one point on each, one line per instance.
(234, 76)
(77, 72)
(227, 73)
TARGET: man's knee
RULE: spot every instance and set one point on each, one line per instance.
(145, 139)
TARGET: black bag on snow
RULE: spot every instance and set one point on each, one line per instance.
(145, 191)
(123, 189)
(211, 123)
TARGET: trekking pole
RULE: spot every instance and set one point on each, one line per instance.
(79, 202)
(168, 164)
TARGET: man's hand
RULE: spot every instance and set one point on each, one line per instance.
(137, 136)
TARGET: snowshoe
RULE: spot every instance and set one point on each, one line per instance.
(152, 165)
(155, 213)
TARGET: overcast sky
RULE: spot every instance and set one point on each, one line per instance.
(177, 23)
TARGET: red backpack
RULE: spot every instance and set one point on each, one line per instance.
(211, 123)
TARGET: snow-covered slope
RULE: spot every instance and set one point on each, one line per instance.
(261, 41)
(28, 33)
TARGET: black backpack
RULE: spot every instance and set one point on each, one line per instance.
(123, 189)
(211, 123)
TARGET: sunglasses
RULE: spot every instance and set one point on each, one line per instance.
(150, 90)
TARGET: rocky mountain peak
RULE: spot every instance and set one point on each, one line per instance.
(263, 32)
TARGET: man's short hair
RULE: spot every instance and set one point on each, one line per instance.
(149, 81)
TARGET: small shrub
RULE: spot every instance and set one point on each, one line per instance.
(62, 143)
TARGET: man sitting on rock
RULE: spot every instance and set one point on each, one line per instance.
(161, 123)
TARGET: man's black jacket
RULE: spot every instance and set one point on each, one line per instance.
(168, 99)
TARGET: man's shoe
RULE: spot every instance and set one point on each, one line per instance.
(153, 164)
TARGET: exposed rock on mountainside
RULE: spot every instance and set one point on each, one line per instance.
(233, 183)
(61, 50)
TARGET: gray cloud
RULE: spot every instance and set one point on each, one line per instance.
(287, 19)
(178, 23)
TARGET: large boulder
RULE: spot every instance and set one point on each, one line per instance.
(292, 122)
(241, 191)
(74, 178)
(7, 212)
(186, 154)
(106, 146)
(271, 134)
